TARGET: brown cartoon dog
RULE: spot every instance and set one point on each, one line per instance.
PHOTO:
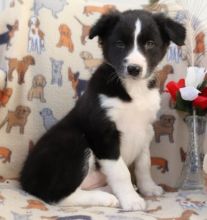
(6, 37)
(65, 38)
(161, 163)
(37, 89)
(164, 126)
(16, 118)
(200, 43)
(90, 62)
(186, 215)
(85, 31)
(162, 75)
(90, 9)
(21, 66)
(5, 154)
(78, 85)
(36, 204)
(5, 95)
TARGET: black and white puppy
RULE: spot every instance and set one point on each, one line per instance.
(111, 124)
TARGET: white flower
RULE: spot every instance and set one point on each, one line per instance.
(189, 93)
(194, 78)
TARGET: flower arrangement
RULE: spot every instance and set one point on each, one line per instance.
(190, 94)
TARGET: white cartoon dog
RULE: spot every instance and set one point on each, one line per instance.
(55, 6)
(36, 36)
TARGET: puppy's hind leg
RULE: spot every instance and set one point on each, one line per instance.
(90, 198)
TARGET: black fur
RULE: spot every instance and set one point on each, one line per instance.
(59, 162)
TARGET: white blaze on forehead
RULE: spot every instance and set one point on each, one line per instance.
(137, 31)
(135, 56)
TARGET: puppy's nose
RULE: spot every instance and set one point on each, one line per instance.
(134, 69)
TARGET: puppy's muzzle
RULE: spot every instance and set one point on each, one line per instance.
(134, 70)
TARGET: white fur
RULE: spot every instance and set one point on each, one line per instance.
(135, 56)
(90, 198)
(35, 43)
(133, 119)
(118, 178)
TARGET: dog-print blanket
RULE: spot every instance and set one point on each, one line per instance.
(46, 59)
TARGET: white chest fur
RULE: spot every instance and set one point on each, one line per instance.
(133, 119)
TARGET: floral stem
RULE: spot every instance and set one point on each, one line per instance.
(194, 127)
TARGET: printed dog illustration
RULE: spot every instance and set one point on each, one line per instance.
(16, 118)
(37, 89)
(6, 37)
(35, 36)
(163, 74)
(36, 204)
(174, 53)
(6, 180)
(156, 7)
(161, 163)
(186, 215)
(13, 2)
(21, 67)
(164, 126)
(90, 62)
(200, 43)
(5, 95)
(78, 85)
(48, 119)
(56, 71)
(5, 154)
(188, 203)
(55, 6)
(65, 38)
(90, 9)
(85, 30)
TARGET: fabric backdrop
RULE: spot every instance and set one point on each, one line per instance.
(46, 60)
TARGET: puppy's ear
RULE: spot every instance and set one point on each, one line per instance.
(104, 25)
(170, 30)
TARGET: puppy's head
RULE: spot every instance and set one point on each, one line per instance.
(134, 42)
(168, 69)
(167, 120)
(39, 81)
(64, 30)
(29, 60)
(34, 21)
(22, 111)
(46, 112)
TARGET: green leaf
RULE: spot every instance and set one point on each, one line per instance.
(182, 104)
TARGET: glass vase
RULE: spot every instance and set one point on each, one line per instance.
(192, 172)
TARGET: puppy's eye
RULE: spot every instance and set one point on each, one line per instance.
(120, 44)
(149, 44)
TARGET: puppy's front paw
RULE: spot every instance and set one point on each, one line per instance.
(133, 202)
(151, 190)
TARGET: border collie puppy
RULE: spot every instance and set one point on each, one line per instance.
(110, 126)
